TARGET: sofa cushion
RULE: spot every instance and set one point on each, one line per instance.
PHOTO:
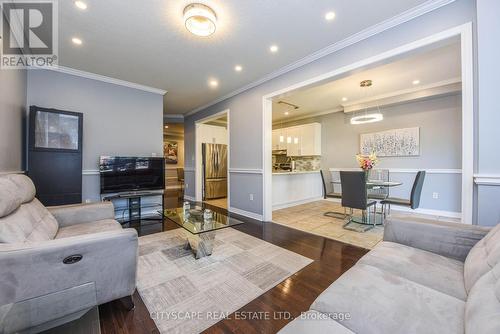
(482, 257)
(104, 225)
(10, 198)
(312, 322)
(31, 222)
(434, 271)
(25, 187)
(381, 302)
(482, 310)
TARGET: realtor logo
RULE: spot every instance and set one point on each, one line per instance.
(29, 34)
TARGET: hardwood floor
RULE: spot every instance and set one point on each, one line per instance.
(288, 299)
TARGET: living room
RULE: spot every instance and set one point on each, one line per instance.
(98, 234)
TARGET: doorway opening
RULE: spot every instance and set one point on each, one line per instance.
(464, 36)
(212, 160)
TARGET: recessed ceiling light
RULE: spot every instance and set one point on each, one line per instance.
(213, 83)
(238, 68)
(81, 5)
(166, 126)
(200, 19)
(416, 82)
(273, 48)
(344, 99)
(329, 16)
(76, 41)
(286, 113)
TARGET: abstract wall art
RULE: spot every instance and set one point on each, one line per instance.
(391, 143)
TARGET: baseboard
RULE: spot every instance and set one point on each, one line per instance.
(248, 214)
(299, 202)
(430, 212)
(190, 198)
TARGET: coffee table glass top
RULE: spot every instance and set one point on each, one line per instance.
(195, 223)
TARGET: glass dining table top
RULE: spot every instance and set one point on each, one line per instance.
(377, 183)
(193, 220)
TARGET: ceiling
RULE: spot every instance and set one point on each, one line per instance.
(431, 67)
(145, 42)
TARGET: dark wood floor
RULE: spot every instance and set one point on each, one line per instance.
(290, 297)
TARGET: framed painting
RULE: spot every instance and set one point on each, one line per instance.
(170, 149)
(391, 143)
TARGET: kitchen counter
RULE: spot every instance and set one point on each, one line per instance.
(295, 172)
(295, 188)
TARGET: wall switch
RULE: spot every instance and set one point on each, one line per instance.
(186, 185)
(251, 197)
(435, 195)
(87, 201)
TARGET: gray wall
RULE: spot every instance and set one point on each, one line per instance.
(488, 35)
(117, 120)
(246, 108)
(12, 116)
(439, 120)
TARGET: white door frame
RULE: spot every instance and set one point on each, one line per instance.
(464, 32)
(197, 162)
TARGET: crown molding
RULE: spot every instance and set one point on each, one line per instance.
(102, 78)
(378, 28)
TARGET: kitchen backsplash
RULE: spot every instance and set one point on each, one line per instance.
(307, 163)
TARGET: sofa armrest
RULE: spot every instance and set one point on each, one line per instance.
(67, 215)
(453, 240)
(109, 260)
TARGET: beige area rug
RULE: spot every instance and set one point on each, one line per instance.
(310, 218)
(185, 295)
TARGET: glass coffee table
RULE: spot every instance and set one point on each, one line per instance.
(201, 236)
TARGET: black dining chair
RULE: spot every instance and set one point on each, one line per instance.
(413, 202)
(354, 196)
(326, 195)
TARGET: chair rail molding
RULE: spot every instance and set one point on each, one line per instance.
(90, 172)
(404, 170)
(246, 170)
(487, 179)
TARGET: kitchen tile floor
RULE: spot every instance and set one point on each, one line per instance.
(309, 218)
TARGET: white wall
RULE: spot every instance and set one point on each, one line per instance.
(117, 120)
(12, 119)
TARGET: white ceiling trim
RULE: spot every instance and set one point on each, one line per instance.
(98, 77)
(399, 19)
(437, 89)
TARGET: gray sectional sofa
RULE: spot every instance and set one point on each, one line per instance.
(425, 277)
(57, 262)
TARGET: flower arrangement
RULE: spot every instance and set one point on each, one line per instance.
(367, 162)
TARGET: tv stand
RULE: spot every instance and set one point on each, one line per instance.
(135, 209)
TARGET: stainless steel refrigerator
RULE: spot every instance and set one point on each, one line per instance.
(214, 170)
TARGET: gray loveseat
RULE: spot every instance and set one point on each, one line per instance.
(425, 277)
(43, 281)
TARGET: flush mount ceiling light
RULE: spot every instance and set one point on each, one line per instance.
(81, 5)
(367, 117)
(200, 20)
(329, 16)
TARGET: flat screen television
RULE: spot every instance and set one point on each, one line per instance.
(128, 174)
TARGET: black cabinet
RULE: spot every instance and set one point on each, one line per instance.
(55, 155)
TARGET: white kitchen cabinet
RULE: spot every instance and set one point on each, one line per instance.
(279, 144)
(310, 143)
(300, 140)
(293, 141)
